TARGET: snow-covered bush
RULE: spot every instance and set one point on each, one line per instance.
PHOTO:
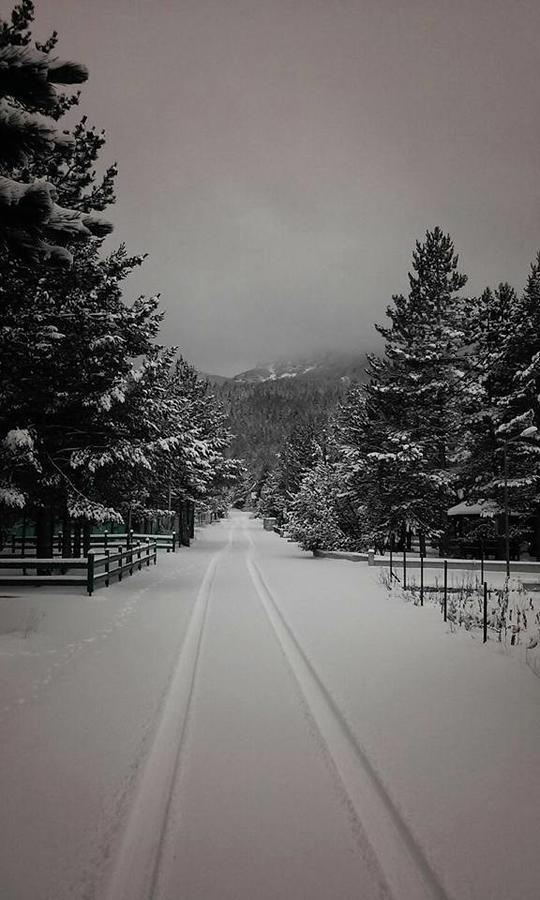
(513, 611)
(312, 517)
(272, 502)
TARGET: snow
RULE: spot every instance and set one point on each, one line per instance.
(18, 439)
(11, 496)
(322, 738)
(452, 727)
(486, 508)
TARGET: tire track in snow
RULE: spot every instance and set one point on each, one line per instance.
(406, 869)
(136, 866)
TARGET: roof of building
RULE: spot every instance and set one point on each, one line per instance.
(479, 508)
(483, 508)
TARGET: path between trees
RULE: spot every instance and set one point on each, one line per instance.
(260, 724)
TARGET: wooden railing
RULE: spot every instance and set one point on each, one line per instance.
(94, 568)
(25, 546)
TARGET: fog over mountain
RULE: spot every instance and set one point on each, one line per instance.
(279, 158)
(317, 367)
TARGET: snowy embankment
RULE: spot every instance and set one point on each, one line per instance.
(451, 727)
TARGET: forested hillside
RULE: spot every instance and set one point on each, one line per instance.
(262, 414)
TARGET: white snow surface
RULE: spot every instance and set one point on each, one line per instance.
(258, 723)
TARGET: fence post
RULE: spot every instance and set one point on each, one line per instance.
(105, 539)
(130, 551)
(404, 566)
(485, 611)
(173, 541)
(482, 560)
(139, 548)
(147, 552)
(445, 600)
(371, 557)
(107, 566)
(421, 580)
(120, 561)
(90, 572)
(155, 553)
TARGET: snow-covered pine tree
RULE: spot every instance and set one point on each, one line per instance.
(313, 515)
(300, 452)
(302, 449)
(272, 501)
(66, 335)
(518, 411)
(34, 223)
(490, 373)
(69, 351)
(165, 446)
(361, 431)
(85, 435)
(402, 436)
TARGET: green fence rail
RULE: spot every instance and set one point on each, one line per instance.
(94, 569)
(18, 546)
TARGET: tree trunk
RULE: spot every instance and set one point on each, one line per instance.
(66, 534)
(444, 543)
(184, 524)
(536, 535)
(44, 537)
(77, 540)
(191, 510)
(87, 531)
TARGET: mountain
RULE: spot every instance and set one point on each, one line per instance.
(214, 379)
(322, 367)
(265, 404)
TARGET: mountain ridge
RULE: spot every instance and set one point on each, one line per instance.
(327, 366)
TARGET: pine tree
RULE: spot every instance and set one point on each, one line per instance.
(486, 387)
(272, 502)
(313, 515)
(87, 434)
(402, 436)
(518, 411)
(33, 222)
(162, 445)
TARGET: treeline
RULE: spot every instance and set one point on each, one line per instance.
(98, 421)
(451, 411)
(263, 417)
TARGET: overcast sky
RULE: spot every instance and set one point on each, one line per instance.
(278, 158)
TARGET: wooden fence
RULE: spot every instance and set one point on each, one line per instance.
(203, 517)
(22, 546)
(87, 571)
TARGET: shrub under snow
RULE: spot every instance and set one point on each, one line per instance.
(312, 518)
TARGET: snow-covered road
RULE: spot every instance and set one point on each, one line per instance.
(248, 722)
